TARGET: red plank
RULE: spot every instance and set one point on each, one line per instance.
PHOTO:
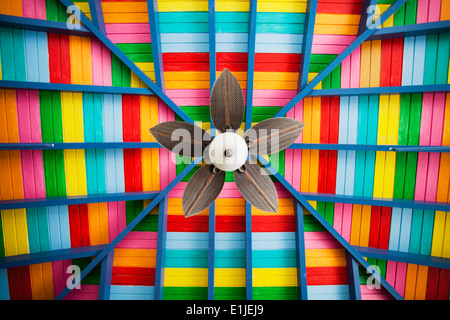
(65, 58)
(84, 225)
(130, 280)
(385, 227)
(374, 227)
(432, 283)
(54, 57)
(279, 223)
(230, 223)
(386, 57)
(333, 138)
(136, 137)
(444, 285)
(324, 137)
(25, 280)
(177, 223)
(136, 271)
(339, 8)
(74, 225)
(15, 289)
(397, 62)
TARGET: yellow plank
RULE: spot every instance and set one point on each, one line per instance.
(20, 216)
(337, 19)
(438, 233)
(140, 262)
(187, 84)
(146, 154)
(16, 8)
(356, 225)
(9, 233)
(154, 152)
(365, 64)
(167, 6)
(86, 59)
(146, 253)
(274, 277)
(375, 66)
(271, 85)
(16, 174)
(365, 225)
(445, 10)
(443, 193)
(380, 160)
(315, 138)
(392, 138)
(94, 225)
(76, 62)
(186, 277)
(229, 277)
(276, 6)
(410, 285)
(103, 222)
(446, 240)
(306, 154)
(11, 116)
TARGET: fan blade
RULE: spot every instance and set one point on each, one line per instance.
(202, 189)
(258, 189)
(182, 138)
(273, 135)
(227, 102)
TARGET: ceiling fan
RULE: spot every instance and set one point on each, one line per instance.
(228, 150)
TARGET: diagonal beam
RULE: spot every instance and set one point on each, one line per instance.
(95, 6)
(349, 248)
(130, 226)
(364, 14)
(344, 54)
(131, 65)
(305, 58)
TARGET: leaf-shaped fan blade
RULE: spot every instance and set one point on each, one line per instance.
(182, 138)
(227, 102)
(272, 135)
(202, 189)
(257, 188)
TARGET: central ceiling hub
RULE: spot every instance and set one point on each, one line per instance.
(228, 151)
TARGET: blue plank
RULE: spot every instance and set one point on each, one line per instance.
(353, 277)
(300, 252)
(251, 40)
(153, 17)
(394, 234)
(306, 49)
(31, 56)
(419, 60)
(248, 252)
(104, 292)
(4, 289)
(161, 247)
(96, 10)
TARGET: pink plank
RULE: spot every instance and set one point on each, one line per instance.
(23, 116)
(322, 244)
(374, 294)
(345, 73)
(86, 292)
(60, 275)
(26, 157)
(116, 28)
(41, 11)
(106, 69)
(422, 11)
(338, 213)
(28, 8)
(355, 68)
(186, 93)
(347, 221)
(113, 226)
(39, 178)
(121, 215)
(97, 65)
(130, 38)
(434, 10)
(327, 49)
(297, 159)
(391, 269)
(274, 94)
(425, 136)
(335, 39)
(137, 244)
(435, 140)
(400, 278)
(141, 235)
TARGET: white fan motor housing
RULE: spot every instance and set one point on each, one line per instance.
(228, 151)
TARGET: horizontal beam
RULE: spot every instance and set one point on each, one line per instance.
(49, 256)
(92, 198)
(78, 145)
(144, 145)
(42, 25)
(73, 87)
(380, 90)
(381, 202)
(419, 259)
(411, 30)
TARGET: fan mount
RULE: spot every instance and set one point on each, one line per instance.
(228, 151)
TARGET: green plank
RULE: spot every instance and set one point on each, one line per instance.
(116, 71)
(322, 58)
(430, 59)
(416, 231)
(399, 16)
(229, 293)
(410, 12)
(185, 293)
(427, 232)
(443, 58)
(275, 293)
(135, 47)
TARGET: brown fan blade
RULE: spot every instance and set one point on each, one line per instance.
(227, 102)
(273, 135)
(202, 189)
(257, 188)
(182, 138)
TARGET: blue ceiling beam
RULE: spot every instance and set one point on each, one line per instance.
(406, 257)
(74, 87)
(303, 201)
(130, 226)
(104, 288)
(95, 7)
(409, 30)
(364, 15)
(300, 252)
(327, 70)
(42, 25)
(305, 57)
(49, 256)
(69, 200)
(153, 19)
(353, 277)
(161, 249)
(124, 58)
